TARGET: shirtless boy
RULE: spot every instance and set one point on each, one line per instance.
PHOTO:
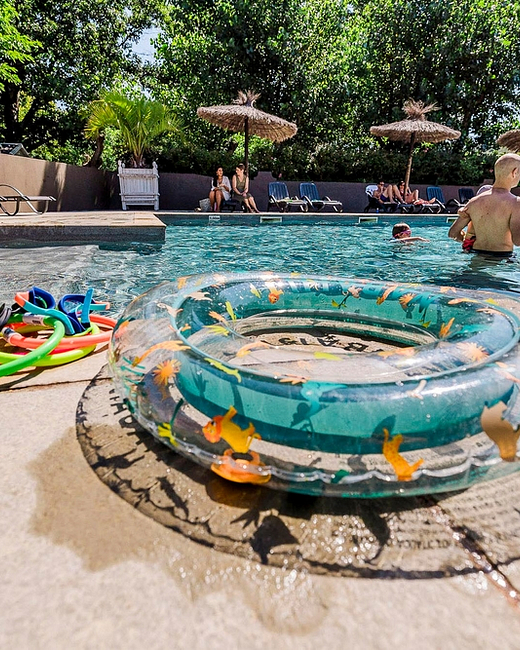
(495, 214)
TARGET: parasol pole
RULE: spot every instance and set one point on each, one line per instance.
(246, 144)
(409, 166)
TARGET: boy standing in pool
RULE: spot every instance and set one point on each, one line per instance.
(495, 214)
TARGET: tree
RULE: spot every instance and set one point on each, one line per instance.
(139, 122)
(461, 55)
(85, 45)
(288, 51)
(15, 48)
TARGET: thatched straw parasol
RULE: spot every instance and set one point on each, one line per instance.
(415, 128)
(243, 117)
(510, 140)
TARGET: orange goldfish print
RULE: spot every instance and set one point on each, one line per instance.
(221, 427)
(402, 467)
(249, 347)
(445, 328)
(174, 346)
(385, 294)
(274, 294)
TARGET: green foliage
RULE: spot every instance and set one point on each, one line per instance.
(85, 45)
(138, 121)
(337, 68)
(72, 153)
(286, 50)
(462, 55)
(333, 67)
(15, 48)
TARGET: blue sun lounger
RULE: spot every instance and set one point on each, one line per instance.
(309, 193)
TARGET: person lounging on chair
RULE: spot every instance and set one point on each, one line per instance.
(309, 193)
(388, 204)
(413, 200)
(16, 197)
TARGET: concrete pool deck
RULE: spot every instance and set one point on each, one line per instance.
(82, 568)
(81, 227)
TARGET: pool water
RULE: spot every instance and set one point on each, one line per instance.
(120, 274)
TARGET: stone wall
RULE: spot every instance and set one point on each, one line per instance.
(85, 188)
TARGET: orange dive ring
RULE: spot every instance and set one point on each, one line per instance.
(14, 338)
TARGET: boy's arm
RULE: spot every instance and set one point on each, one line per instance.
(514, 224)
(455, 232)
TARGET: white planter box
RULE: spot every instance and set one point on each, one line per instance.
(138, 186)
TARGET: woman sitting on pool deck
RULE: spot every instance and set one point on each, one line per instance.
(241, 193)
(220, 190)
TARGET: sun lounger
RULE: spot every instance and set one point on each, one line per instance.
(309, 193)
(14, 198)
(279, 197)
(435, 192)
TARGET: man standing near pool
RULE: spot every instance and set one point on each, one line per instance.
(495, 214)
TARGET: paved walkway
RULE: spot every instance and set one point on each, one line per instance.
(82, 227)
(82, 568)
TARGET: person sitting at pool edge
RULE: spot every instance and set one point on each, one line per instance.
(403, 232)
(240, 183)
(220, 190)
(495, 214)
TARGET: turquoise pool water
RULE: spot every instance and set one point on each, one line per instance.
(365, 251)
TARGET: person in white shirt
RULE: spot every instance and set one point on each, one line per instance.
(220, 190)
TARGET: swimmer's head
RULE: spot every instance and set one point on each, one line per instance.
(401, 230)
(507, 169)
(484, 188)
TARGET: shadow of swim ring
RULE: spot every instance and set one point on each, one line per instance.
(196, 362)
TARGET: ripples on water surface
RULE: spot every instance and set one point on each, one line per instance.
(363, 252)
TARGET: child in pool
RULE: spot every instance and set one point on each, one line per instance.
(403, 232)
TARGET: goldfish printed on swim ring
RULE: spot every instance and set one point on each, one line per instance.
(409, 411)
(237, 468)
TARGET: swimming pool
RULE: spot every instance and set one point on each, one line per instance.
(120, 274)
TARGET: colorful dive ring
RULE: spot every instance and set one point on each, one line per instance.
(193, 350)
(40, 302)
(14, 363)
(55, 358)
(81, 340)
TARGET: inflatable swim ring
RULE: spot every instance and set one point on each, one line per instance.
(220, 369)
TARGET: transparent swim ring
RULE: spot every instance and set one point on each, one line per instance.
(260, 377)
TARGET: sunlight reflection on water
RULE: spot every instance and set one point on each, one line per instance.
(118, 275)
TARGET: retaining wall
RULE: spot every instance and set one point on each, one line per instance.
(86, 188)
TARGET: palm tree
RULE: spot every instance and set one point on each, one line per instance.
(139, 121)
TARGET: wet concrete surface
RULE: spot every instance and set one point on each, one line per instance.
(83, 567)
